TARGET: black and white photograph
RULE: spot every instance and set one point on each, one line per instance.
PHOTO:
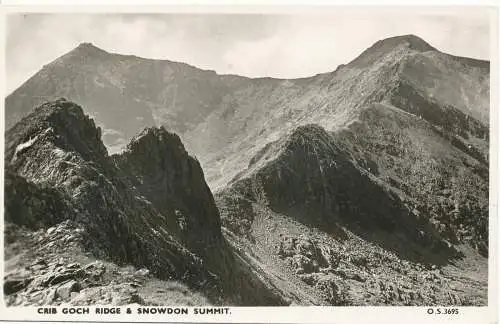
(334, 157)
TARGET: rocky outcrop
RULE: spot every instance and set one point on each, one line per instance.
(148, 207)
(157, 164)
(58, 147)
(311, 178)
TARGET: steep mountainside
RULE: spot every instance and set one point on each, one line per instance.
(143, 92)
(442, 177)
(391, 185)
(333, 100)
(58, 173)
(313, 210)
(163, 172)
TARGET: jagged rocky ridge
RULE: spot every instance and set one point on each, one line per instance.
(311, 207)
(157, 164)
(315, 182)
(130, 209)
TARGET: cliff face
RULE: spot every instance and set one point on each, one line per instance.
(162, 171)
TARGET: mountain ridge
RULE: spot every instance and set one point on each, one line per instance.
(411, 39)
(94, 49)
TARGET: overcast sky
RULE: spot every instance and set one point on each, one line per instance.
(284, 46)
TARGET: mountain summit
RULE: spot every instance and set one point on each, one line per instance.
(88, 49)
(411, 41)
(402, 44)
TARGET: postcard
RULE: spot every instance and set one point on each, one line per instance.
(250, 164)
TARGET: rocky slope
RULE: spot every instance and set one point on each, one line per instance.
(144, 92)
(58, 174)
(386, 200)
(158, 166)
(440, 88)
(443, 177)
(308, 205)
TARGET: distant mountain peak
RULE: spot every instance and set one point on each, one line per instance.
(413, 42)
(387, 45)
(88, 45)
(87, 48)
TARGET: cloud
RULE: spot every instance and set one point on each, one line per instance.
(312, 44)
(284, 45)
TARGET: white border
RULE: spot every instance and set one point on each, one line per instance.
(296, 314)
(254, 3)
(290, 314)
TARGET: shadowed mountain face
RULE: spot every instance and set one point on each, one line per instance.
(143, 92)
(160, 168)
(442, 176)
(312, 179)
(363, 186)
